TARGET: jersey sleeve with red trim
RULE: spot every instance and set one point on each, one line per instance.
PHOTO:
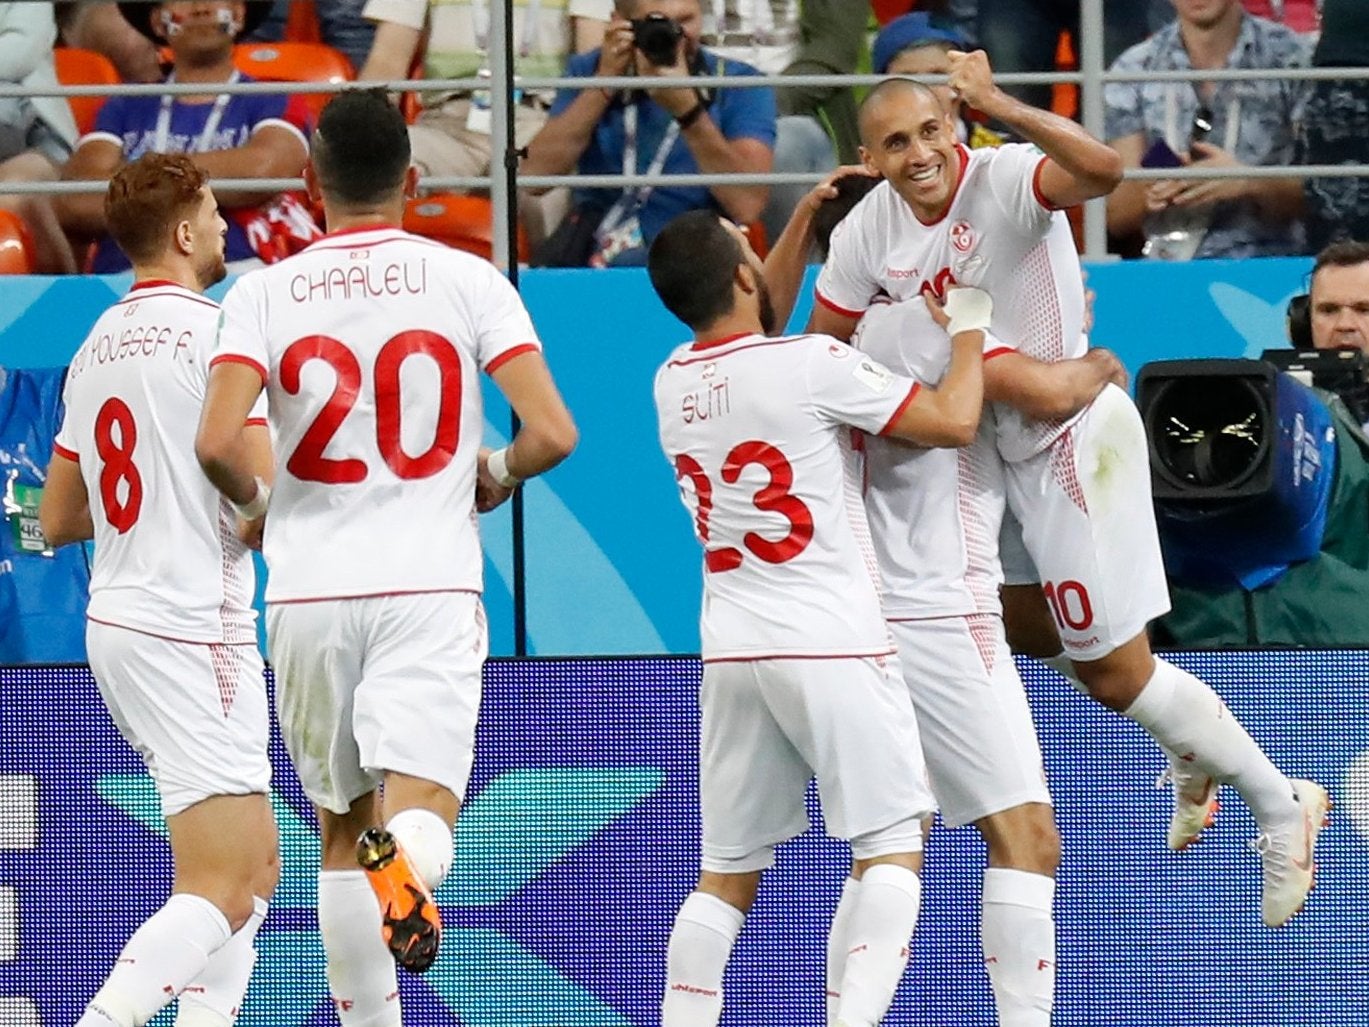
(65, 442)
(504, 329)
(1013, 176)
(996, 347)
(848, 387)
(847, 282)
(242, 336)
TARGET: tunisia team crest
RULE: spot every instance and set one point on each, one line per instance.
(962, 236)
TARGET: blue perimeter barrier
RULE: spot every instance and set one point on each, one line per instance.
(612, 566)
(579, 840)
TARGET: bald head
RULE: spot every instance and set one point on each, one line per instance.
(891, 92)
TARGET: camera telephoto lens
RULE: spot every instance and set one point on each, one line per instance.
(658, 37)
(1205, 433)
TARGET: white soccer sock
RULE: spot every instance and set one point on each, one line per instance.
(700, 943)
(1017, 932)
(361, 971)
(213, 998)
(165, 954)
(838, 944)
(880, 931)
(1192, 724)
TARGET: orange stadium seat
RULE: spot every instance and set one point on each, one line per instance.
(16, 246)
(77, 67)
(295, 62)
(462, 222)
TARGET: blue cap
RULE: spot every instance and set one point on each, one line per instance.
(904, 33)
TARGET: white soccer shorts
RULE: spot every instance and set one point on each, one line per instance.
(376, 684)
(1088, 523)
(770, 726)
(978, 736)
(196, 712)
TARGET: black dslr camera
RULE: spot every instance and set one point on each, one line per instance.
(658, 37)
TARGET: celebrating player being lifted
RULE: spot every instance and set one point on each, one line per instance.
(1077, 480)
(370, 345)
(800, 677)
(171, 632)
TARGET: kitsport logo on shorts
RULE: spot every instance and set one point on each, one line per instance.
(1080, 643)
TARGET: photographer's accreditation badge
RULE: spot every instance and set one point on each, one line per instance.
(21, 510)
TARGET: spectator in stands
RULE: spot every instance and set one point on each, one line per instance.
(452, 134)
(831, 42)
(917, 44)
(1209, 125)
(765, 35)
(1023, 35)
(676, 131)
(36, 133)
(103, 28)
(1336, 127)
(227, 135)
(341, 25)
(1338, 304)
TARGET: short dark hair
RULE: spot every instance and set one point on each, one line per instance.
(1346, 253)
(851, 189)
(360, 148)
(692, 264)
(148, 198)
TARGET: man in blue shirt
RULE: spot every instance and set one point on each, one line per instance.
(226, 135)
(673, 131)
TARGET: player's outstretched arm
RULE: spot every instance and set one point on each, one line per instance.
(788, 256)
(64, 510)
(1080, 167)
(228, 448)
(1050, 391)
(547, 436)
(948, 414)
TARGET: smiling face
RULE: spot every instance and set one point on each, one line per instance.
(907, 136)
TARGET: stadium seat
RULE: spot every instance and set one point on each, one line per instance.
(462, 222)
(301, 25)
(295, 62)
(77, 67)
(16, 246)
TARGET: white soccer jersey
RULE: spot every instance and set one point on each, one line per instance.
(167, 561)
(758, 431)
(371, 343)
(999, 235)
(934, 513)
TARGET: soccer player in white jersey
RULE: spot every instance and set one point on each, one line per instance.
(1078, 484)
(171, 632)
(800, 676)
(370, 344)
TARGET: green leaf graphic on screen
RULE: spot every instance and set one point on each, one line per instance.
(517, 828)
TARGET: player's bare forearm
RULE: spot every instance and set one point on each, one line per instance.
(1050, 391)
(785, 263)
(229, 449)
(1085, 167)
(64, 509)
(548, 434)
(955, 404)
(826, 321)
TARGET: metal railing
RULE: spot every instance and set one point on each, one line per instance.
(1091, 77)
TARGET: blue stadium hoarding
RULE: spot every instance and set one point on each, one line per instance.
(580, 839)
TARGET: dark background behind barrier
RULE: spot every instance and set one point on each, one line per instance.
(580, 839)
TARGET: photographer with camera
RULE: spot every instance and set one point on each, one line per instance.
(651, 131)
